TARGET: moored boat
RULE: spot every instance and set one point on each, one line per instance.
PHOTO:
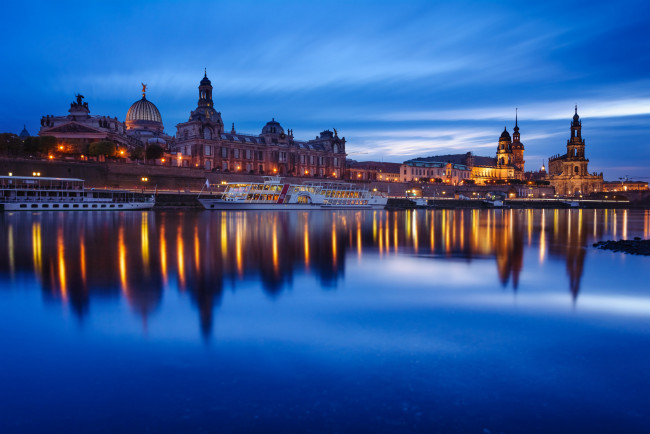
(273, 194)
(35, 193)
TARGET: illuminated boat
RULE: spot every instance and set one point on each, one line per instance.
(272, 194)
(35, 193)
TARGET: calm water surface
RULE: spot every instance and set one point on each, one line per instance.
(411, 321)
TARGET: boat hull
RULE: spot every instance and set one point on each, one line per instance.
(74, 206)
(217, 204)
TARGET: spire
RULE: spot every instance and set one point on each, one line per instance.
(576, 108)
(205, 72)
(516, 115)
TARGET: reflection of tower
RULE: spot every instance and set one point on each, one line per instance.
(509, 248)
(569, 240)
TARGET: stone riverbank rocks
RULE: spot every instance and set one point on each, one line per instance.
(637, 246)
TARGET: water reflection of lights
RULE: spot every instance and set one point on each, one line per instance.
(163, 253)
(180, 255)
(276, 256)
(60, 244)
(37, 248)
(10, 247)
(542, 238)
(305, 217)
(122, 259)
(144, 240)
(317, 242)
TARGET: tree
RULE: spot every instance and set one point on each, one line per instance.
(136, 153)
(42, 145)
(104, 147)
(10, 144)
(154, 152)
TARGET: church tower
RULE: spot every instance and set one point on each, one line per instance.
(205, 91)
(517, 151)
(212, 125)
(504, 150)
(576, 163)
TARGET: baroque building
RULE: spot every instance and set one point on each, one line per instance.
(508, 163)
(568, 173)
(202, 142)
(75, 131)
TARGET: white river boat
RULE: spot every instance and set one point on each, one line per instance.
(272, 194)
(35, 193)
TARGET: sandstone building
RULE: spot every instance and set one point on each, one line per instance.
(202, 142)
(568, 173)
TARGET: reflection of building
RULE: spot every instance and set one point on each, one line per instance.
(568, 173)
(202, 254)
(203, 142)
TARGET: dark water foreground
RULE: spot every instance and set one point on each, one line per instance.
(406, 321)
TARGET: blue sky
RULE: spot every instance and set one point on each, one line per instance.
(397, 79)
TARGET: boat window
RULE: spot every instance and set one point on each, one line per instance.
(94, 206)
(56, 205)
(112, 206)
(22, 205)
(75, 206)
(103, 206)
(65, 205)
(34, 205)
(45, 205)
(85, 206)
(120, 206)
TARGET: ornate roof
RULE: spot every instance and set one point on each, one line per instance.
(143, 110)
(272, 127)
(505, 135)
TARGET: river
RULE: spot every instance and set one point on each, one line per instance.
(324, 321)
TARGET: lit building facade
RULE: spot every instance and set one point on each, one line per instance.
(75, 131)
(568, 173)
(423, 169)
(373, 171)
(202, 142)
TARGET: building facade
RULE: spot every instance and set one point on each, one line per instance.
(75, 131)
(202, 142)
(568, 173)
(373, 171)
(423, 169)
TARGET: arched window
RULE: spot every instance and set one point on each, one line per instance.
(335, 148)
(207, 134)
(575, 169)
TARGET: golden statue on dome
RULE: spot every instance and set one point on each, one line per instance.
(144, 89)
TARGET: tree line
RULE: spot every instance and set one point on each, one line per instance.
(40, 146)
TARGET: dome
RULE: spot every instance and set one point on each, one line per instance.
(272, 127)
(143, 110)
(505, 135)
(205, 81)
(24, 133)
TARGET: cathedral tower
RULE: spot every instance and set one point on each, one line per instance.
(504, 150)
(517, 151)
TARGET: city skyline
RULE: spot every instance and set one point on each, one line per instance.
(398, 81)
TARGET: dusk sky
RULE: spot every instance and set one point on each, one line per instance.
(397, 79)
